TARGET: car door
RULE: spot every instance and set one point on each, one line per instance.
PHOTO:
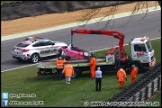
(140, 52)
(41, 48)
(51, 49)
(54, 48)
(47, 48)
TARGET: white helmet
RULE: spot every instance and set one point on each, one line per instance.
(98, 68)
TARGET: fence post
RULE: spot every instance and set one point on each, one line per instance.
(159, 83)
(152, 90)
(140, 96)
(146, 95)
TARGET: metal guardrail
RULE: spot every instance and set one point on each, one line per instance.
(141, 90)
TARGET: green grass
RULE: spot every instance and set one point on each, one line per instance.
(154, 101)
(158, 94)
(4, 2)
(57, 93)
(157, 99)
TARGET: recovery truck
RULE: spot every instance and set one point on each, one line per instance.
(142, 54)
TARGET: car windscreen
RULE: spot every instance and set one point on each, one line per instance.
(22, 45)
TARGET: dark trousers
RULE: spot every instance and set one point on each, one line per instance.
(59, 74)
(117, 66)
(98, 84)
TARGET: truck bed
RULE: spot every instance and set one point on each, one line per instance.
(49, 67)
(75, 63)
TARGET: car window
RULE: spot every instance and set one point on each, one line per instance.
(22, 45)
(39, 44)
(139, 47)
(46, 43)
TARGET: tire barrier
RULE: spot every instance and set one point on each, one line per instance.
(141, 90)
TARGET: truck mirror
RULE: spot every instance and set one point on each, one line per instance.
(129, 43)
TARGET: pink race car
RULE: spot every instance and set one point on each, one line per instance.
(74, 52)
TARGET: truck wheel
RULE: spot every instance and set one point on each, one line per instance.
(77, 73)
(35, 58)
(128, 65)
(139, 68)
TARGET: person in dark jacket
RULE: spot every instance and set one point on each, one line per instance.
(60, 65)
(117, 62)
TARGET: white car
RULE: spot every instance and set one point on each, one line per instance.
(34, 49)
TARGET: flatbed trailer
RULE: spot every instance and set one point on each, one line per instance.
(46, 68)
(49, 67)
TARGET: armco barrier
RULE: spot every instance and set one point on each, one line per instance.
(142, 89)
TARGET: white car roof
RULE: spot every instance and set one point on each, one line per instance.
(32, 40)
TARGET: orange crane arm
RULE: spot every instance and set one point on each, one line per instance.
(114, 33)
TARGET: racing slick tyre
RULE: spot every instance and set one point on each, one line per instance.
(77, 73)
(35, 58)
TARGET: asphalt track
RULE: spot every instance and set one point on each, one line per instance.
(132, 27)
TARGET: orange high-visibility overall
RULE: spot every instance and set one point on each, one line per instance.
(121, 77)
(68, 70)
(133, 74)
(60, 63)
(93, 67)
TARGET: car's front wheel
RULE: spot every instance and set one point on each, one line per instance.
(35, 58)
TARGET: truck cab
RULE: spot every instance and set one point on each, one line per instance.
(141, 49)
